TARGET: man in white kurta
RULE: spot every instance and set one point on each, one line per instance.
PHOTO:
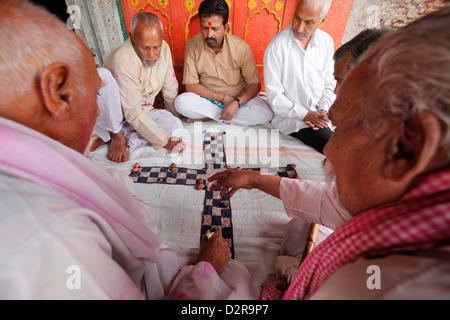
(298, 75)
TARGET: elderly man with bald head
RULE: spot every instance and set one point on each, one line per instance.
(142, 68)
(298, 73)
(388, 167)
(69, 229)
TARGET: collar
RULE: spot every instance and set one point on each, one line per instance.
(312, 43)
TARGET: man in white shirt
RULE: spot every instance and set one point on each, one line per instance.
(298, 73)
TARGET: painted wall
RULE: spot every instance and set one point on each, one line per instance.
(255, 21)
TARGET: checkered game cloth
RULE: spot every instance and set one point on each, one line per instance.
(420, 220)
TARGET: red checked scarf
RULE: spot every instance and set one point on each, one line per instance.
(420, 220)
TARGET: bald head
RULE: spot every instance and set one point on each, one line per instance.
(47, 71)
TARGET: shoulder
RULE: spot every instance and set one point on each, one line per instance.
(281, 40)
(399, 276)
(324, 38)
(195, 42)
(122, 56)
(235, 41)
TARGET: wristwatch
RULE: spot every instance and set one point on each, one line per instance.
(239, 101)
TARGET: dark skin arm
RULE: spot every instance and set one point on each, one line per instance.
(233, 180)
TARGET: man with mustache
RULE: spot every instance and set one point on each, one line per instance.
(389, 201)
(220, 74)
(298, 75)
(142, 67)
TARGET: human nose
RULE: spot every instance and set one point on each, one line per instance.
(301, 27)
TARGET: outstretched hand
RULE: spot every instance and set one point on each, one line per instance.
(232, 180)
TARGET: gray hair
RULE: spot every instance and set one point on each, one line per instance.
(149, 19)
(26, 48)
(410, 69)
(325, 8)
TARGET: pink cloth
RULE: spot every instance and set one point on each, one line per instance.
(420, 220)
(32, 156)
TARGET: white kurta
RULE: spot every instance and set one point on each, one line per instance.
(298, 81)
(66, 233)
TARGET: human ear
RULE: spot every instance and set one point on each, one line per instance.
(414, 148)
(56, 89)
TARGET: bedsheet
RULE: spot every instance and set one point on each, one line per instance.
(258, 219)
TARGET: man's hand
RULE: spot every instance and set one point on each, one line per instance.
(175, 144)
(229, 111)
(234, 179)
(215, 251)
(316, 120)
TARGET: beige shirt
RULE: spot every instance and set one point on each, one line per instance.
(139, 85)
(228, 71)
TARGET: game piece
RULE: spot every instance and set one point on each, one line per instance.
(199, 187)
(173, 167)
(135, 169)
(200, 181)
(224, 204)
(137, 165)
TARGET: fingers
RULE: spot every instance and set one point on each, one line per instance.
(215, 251)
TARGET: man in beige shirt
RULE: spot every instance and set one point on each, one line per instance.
(142, 67)
(220, 74)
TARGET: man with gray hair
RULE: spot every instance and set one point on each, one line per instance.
(68, 229)
(389, 167)
(298, 75)
(142, 67)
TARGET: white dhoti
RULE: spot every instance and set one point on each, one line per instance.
(254, 112)
(111, 118)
